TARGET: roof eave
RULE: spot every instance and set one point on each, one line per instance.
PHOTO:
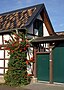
(11, 30)
(47, 41)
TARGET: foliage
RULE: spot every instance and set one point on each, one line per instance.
(17, 67)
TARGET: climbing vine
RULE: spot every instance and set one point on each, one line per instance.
(17, 65)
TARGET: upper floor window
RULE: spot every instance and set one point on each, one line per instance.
(38, 27)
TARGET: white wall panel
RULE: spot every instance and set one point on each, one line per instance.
(1, 63)
(45, 32)
(6, 63)
(30, 53)
(6, 54)
(1, 71)
(6, 70)
(6, 37)
(1, 53)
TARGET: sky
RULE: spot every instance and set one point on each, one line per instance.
(55, 9)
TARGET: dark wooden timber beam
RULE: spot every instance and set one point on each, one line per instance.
(51, 66)
(35, 62)
(47, 24)
(47, 21)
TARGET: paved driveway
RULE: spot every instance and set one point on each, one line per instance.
(37, 86)
(3, 87)
(42, 86)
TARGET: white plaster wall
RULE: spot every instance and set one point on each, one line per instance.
(6, 63)
(1, 57)
(29, 55)
(1, 54)
(45, 32)
(6, 54)
(1, 63)
(5, 37)
(1, 71)
(6, 70)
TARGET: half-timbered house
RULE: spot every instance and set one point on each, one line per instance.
(34, 19)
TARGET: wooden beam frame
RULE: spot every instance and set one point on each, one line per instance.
(51, 66)
(35, 75)
(47, 21)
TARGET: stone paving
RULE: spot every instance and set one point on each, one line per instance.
(37, 86)
(44, 86)
(3, 87)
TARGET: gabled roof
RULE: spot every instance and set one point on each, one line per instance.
(16, 19)
(24, 17)
(47, 39)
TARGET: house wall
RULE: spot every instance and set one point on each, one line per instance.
(45, 33)
(30, 53)
(3, 55)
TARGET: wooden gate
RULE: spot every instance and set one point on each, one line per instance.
(58, 63)
(42, 66)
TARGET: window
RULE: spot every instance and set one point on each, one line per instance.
(36, 32)
(38, 27)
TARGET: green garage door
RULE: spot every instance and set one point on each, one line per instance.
(43, 66)
(58, 63)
